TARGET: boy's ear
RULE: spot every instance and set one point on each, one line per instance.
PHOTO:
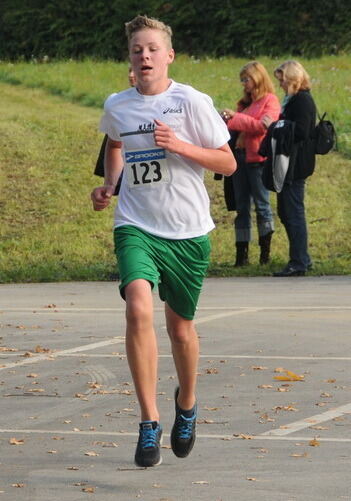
(171, 56)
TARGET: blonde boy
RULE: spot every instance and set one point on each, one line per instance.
(165, 134)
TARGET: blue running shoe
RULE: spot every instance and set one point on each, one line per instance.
(183, 431)
(148, 449)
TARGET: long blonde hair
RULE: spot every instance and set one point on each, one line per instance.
(295, 75)
(263, 84)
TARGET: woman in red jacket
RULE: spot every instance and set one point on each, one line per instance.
(258, 101)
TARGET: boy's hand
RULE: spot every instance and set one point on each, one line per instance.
(165, 138)
(101, 196)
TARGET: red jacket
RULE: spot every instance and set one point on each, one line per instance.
(249, 122)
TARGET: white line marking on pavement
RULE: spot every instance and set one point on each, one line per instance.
(226, 356)
(216, 316)
(310, 421)
(198, 321)
(158, 308)
(55, 354)
(199, 436)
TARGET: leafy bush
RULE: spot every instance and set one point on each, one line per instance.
(245, 28)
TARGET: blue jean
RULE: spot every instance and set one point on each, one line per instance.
(291, 212)
(248, 187)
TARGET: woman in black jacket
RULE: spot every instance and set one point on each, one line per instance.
(298, 107)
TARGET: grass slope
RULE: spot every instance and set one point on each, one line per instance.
(48, 231)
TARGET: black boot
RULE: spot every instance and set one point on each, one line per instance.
(242, 254)
(265, 244)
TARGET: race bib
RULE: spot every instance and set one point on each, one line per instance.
(146, 167)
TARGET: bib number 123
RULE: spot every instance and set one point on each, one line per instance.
(146, 167)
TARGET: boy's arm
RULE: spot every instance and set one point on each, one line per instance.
(219, 160)
(113, 162)
(101, 196)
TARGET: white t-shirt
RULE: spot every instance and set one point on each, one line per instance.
(161, 192)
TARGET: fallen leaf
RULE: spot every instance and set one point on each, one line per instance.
(72, 468)
(5, 348)
(201, 482)
(52, 452)
(91, 490)
(285, 408)
(105, 444)
(265, 386)
(245, 437)
(259, 368)
(290, 376)
(18, 485)
(319, 427)
(94, 385)
(212, 370)
(252, 479)
(304, 455)
(91, 453)
(326, 395)
(314, 443)
(15, 441)
(32, 375)
(40, 349)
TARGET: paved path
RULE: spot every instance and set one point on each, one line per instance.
(69, 417)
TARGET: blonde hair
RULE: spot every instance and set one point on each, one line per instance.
(295, 75)
(262, 82)
(143, 22)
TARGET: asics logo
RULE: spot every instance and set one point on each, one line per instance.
(173, 110)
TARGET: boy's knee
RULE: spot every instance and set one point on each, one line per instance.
(181, 336)
(138, 313)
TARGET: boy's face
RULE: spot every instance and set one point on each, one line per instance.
(150, 56)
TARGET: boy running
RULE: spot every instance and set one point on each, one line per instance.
(164, 134)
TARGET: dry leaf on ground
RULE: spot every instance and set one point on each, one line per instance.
(90, 490)
(290, 376)
(15, 441)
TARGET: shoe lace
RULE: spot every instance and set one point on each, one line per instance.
(185, 426)
(148, 437)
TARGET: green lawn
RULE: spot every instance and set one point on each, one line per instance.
(49, 116)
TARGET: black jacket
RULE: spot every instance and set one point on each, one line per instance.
(302, 110)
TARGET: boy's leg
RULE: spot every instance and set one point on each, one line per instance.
(141, 346)
(185, 349)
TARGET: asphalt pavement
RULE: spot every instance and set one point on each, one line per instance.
(274, 394)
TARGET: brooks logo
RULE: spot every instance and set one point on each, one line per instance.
(145, 155)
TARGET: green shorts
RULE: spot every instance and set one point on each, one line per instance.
(178, 267)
